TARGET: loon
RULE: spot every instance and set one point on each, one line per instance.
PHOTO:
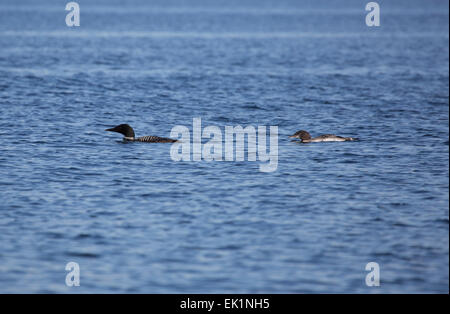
(305, 137)
(128, 133)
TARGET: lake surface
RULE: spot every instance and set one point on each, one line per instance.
(138, 222)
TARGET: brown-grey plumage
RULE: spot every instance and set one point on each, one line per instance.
(129, 135)
(305, 137)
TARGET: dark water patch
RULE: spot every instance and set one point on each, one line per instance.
(82, 255)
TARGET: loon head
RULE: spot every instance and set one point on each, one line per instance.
(124, 129)
(303, 135)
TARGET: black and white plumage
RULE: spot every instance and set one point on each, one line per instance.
(305, 137)
(129, 135)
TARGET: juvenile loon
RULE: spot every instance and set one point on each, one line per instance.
(128, 134)
(305, 137)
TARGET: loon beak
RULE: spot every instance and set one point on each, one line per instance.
(111, 130)
(291, 136)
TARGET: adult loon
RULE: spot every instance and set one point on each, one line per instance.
(305, 137)
(128, 134)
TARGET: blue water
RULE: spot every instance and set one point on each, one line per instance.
(136, 221)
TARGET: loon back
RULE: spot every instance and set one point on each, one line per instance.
(154, 139)
(129, 135)
(305, 137)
